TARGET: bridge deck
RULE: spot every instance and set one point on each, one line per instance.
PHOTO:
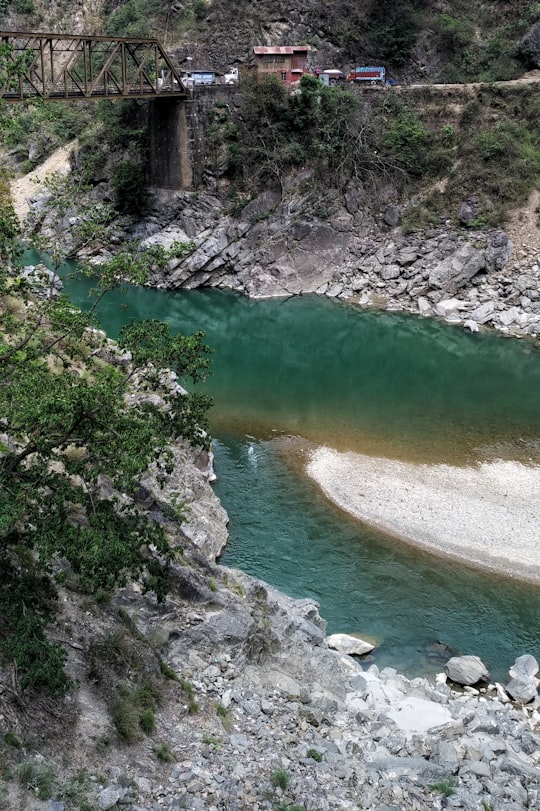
(63, 67)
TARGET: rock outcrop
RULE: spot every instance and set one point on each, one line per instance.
(282, 720)
(278, 248)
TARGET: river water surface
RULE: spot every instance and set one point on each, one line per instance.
(291, 374)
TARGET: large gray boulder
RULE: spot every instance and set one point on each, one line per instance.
(347, 643)
(466, 670)
(458, 269)
(523, 686)
(499, 250)
(524, 666)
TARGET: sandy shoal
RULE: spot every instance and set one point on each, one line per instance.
(488, 514)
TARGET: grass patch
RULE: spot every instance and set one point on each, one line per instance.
(212, 740)
(280, 778)
(133, 712)
(12, 740)
(225, 716)
(38, 778)
(446, 786)
(164, 753)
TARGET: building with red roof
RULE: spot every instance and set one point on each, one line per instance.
(288, 62)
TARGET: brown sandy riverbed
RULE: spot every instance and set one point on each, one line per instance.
(487, 515)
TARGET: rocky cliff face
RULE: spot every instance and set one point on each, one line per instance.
(278, 247)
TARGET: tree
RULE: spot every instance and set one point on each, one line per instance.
(76, 415)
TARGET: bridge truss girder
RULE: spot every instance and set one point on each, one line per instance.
(60, 67)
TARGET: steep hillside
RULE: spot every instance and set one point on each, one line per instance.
(415, 39)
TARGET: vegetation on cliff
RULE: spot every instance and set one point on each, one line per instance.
(78, 422)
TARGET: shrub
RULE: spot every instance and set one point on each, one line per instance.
(164, 753)
(12, 740)
(393, 27)
(37, 778)
(417, 218)
(446, 786)
(225, 716)
(129, 183)
(455, 33)
(314, 754)
(133, 711)
(280, 778)
(406, 141)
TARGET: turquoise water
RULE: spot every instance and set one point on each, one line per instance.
(317, 371)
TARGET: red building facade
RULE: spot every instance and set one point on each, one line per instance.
(288, 62)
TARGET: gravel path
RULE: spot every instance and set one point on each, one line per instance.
(488, 515)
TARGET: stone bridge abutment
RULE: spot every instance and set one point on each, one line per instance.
(178, 137)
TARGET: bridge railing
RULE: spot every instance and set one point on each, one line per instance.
(61, 67)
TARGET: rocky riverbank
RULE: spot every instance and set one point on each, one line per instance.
(475, 278)
(262, 715)
(254, 710)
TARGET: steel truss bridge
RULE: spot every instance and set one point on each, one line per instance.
(61, 67)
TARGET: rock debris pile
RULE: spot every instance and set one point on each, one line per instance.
(284, 722)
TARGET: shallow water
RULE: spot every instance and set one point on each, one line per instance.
(380, 383)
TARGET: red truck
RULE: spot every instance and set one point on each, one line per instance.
(369, 75)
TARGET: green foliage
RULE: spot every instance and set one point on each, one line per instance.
(225, 716)
(506, 157)
(12, 65)
(164, 753)
(211, 740)
(393, 27)
(455, 33)
(446, 786)
(406, 141)
(124, 122)
(133, 711)
(12, 740)
(9, 224)
(37, 778)
(314, 754)
(65, 412)
(168, 671)
(131, 19)
(189, 690)
(24, 6)
(278, 131)
(417, 218)
(42, 126)
(74, 790)
(27, 601)
(130, 185)
(280, 778)
(494, 58)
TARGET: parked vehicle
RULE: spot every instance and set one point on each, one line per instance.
(330, 77)
(198, 78)
(231, 77)
(367, 75)
(203, 77)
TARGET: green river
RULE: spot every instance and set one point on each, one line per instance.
(291, 374)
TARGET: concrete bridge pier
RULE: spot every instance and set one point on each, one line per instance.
(171, 165)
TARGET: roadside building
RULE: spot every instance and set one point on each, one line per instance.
(288, 62)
